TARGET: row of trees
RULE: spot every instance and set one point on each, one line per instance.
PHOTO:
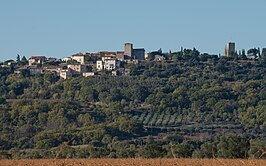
(223, 147)
(188, 54)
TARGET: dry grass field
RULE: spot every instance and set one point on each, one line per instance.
(134, 162)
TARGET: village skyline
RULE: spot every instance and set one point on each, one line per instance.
(60, 28)
(236, 49)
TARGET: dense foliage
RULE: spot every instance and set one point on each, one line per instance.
(43, 116)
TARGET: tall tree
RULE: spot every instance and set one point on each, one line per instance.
(253, 52)
(24, 59)
(18, 58)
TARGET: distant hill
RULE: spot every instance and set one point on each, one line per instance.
(198, 106)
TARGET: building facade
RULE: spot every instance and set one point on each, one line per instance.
(66, 73)
(78, 68)
(34, 60)
(107, 63)
(99, 65)
(128, 50)
(137, 54)
(79, 58)
(88, 74)
(111, 64)
(230, 49)
(120, 55)
(66, 59)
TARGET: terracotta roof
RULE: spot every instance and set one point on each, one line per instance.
(37, 57)
(107, 53)
(78, 55)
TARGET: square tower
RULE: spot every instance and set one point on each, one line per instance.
(128, 49)
(230, 49)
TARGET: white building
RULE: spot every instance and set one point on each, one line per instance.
(107, 63)
(79, 58)
(65, 73)
(108, 57)
(100, 65)
(111, 64)
(88, 74)
(77, 68)
(66, 59)
(34, 60)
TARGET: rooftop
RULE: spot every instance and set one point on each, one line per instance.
(37, 57)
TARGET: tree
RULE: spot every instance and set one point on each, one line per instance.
(50, 78)
(181, 96)
(253, 52)
(183, 150)
(129, 126)
(89, 58)
(64, 151)
(160, 51)
(232, 147)
(263, 54)
(25, 73)
(24, 59)
(257, 148)
(207, 150)
(151, 149)
(2, 100)
(18, 58)
(254, 117)
(243, 52)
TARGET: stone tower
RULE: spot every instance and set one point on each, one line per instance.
(230, 49)
(129, 49)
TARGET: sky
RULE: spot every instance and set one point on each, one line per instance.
(60, 28)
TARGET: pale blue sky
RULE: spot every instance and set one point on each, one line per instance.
(59, 28)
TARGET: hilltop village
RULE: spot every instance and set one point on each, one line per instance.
(104, 62)
(81, 64)
(135, 104)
